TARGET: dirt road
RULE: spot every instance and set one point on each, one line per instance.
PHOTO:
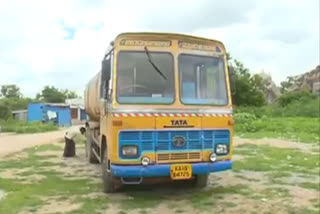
(10, 143)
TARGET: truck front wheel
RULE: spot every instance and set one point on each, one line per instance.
(201, 181)
(107, 178)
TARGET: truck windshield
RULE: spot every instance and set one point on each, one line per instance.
(139, 82)
(202, 80)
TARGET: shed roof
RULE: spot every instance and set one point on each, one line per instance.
(19, 111)
(52, 104)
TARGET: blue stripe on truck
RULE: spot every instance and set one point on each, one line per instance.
(159, 170)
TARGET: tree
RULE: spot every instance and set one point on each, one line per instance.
(5, 112)
(246, 89)
(51, 94)
(285, 85)
(16, 103)
(70, 94)
(10, 91)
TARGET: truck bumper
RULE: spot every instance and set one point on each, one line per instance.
(162, 170)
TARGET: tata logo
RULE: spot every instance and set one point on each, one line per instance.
(179, 141)
(179, 123)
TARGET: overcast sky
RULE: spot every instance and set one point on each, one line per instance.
(61, 43)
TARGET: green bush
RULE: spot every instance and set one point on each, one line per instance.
(259, 112)
(298, 128)
(302, 107)
(244, 122)
(24, 127)
(294, 96)
(5, 112)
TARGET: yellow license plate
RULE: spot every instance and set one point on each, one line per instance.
(180, 171)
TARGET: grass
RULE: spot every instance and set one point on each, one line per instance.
(309, 185)
(303, 211)
(276, 165)
(138, 200)
(265, 158)
(303, 129)
(278, 174)
(272, 192)
(204, 200)
(32, 160)
(272, 162)
(316, 203)
(246, 178)
(301, 107)
(29, 196)
(25, 127)
(92, 205)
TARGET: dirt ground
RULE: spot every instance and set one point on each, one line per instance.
(10, 143)
(227, 192)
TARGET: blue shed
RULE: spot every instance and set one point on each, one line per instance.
(83, 114)
(60, 114)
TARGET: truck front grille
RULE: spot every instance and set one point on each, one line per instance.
(161, 142)
(192, 156)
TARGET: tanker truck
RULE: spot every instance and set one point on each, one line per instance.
(160, 107)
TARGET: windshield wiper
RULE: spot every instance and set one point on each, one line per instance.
(153, 65)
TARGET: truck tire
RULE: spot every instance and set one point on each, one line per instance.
(107, 178)
(91, 156)
(201, 181)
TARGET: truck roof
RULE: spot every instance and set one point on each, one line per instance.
(162, 35)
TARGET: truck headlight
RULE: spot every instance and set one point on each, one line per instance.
(222, 149)
(129, 151)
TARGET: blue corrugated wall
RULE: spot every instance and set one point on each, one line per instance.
(35, 112)
(38, 112)
(63, 114)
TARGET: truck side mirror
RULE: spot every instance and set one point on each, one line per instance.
(232, 82)
(231, 78)
(106, 68)
(105, 77)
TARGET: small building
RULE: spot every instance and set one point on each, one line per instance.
(78, 113)
(59, 114)
(20, 114)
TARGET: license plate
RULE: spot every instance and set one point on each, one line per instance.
(180, 171)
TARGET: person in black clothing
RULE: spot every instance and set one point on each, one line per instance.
(70, 146)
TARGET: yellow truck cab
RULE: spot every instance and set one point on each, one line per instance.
(160, 107)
